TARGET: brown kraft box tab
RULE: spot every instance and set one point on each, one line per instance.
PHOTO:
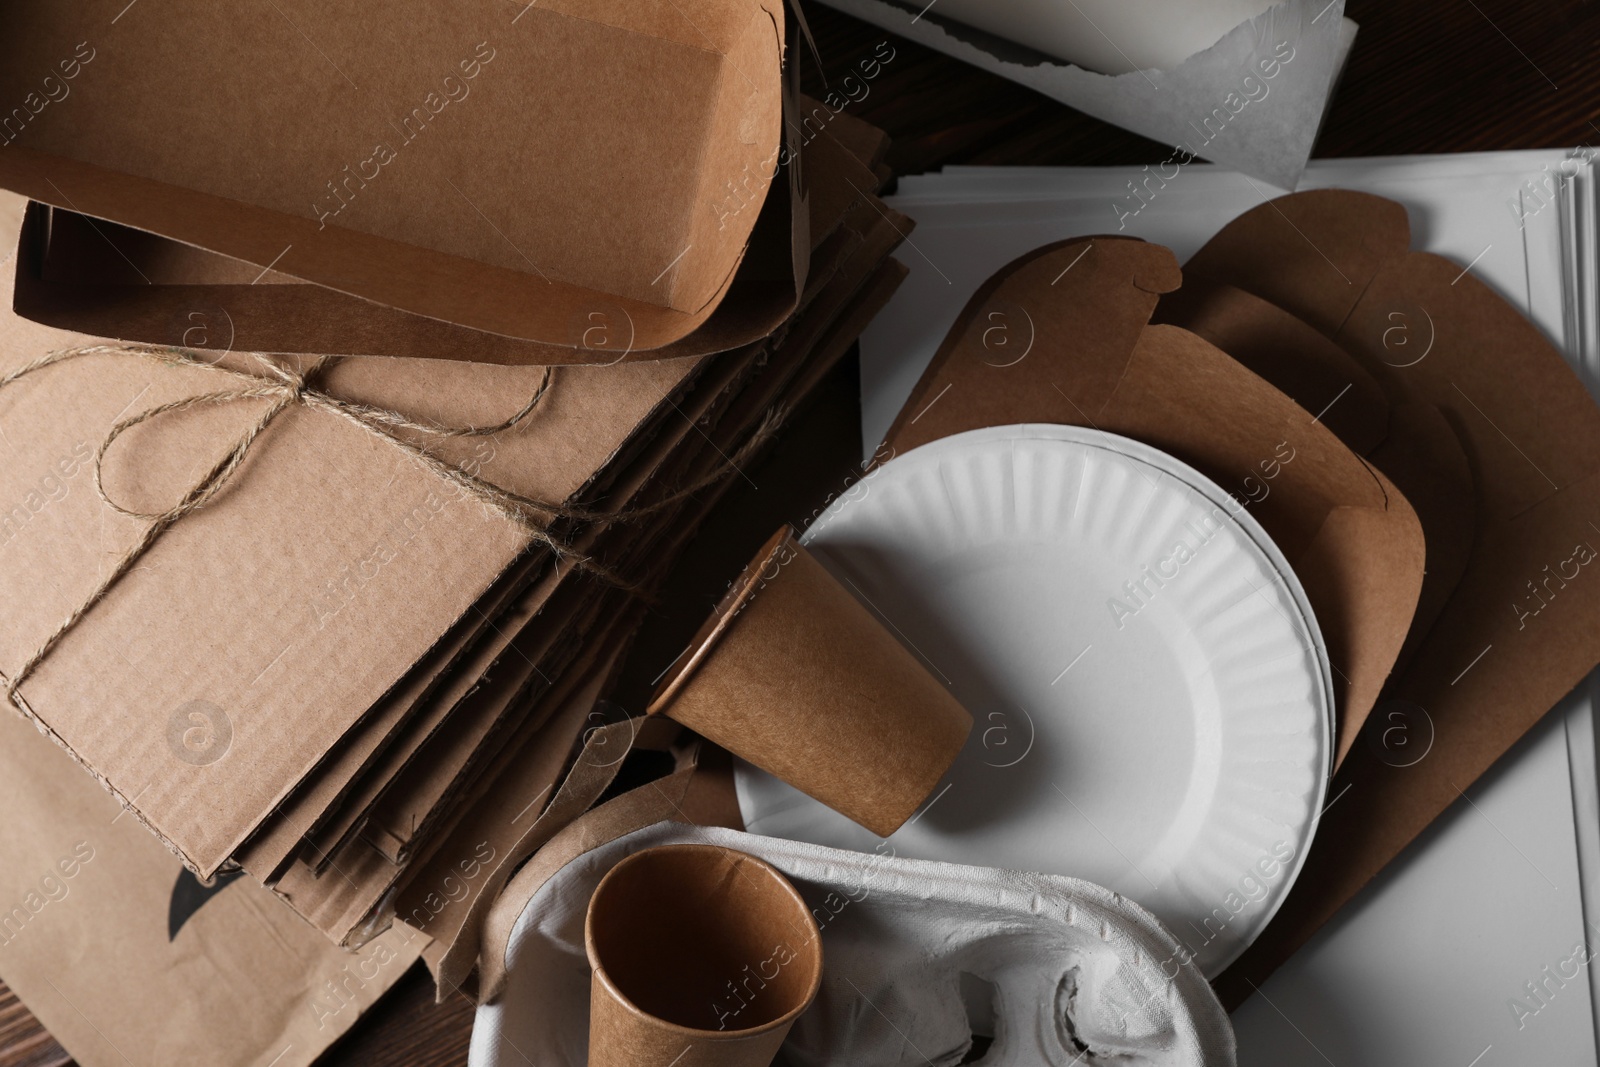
(366, 151)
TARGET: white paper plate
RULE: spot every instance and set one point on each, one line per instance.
(1166, 733)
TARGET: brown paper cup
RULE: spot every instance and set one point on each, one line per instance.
(794, 675)
(702, 957)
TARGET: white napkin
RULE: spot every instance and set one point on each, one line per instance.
(916, 957)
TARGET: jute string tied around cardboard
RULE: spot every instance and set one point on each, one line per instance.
(284, 388)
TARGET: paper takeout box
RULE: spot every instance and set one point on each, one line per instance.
(1519, 626)
(1062, 335)
(491, 181)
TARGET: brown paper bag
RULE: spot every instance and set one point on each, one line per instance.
(127, 958)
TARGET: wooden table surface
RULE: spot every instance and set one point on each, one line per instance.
(1425, 76)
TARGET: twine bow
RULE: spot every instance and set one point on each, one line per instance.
(285, 388)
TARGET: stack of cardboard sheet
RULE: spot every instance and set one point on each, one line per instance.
(342, 623)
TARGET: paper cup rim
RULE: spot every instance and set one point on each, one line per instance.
(721, 619)
(688, 1032)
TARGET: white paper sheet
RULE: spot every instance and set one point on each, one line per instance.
(1109, 36)
(1253, 101)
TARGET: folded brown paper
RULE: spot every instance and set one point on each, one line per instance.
(378, 166)
(1081, 309)
(702, 957)
(1521, 627)
(453, 954)
(794, 674)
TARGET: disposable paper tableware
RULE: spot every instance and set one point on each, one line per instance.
(795, 675)
(1080, 310)
(702, 956)
(483, 176)
(1156, 699)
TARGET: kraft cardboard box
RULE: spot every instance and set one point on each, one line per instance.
(477, 182)
(1518, 629)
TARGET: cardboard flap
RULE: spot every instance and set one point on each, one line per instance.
(1086, 299)
(1295, 357)
(1525, 421)
(1423, 456)
(634, 182)
(1406, 438)
(1356, 564)
(1187, 397)
(1268, 251)
(1083, 355)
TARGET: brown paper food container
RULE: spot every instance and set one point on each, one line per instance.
(794, 675)
(702, 957)
(101, 278)
(1519, 625)
(407, 173)
(1096, 361)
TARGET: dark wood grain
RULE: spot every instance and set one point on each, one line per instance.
(1426, 76)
